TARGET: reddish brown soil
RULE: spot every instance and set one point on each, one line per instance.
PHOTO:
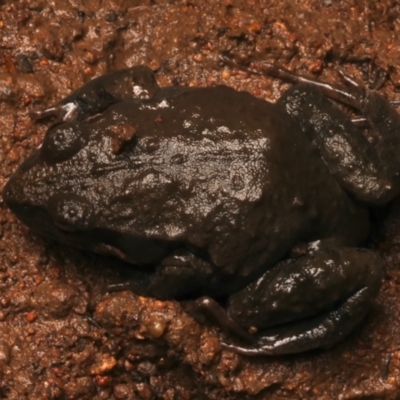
(62, 336)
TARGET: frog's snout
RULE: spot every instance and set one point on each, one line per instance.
(16, 201)
(12, 193)
(21, 190)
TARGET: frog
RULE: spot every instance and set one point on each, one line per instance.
(259, 210)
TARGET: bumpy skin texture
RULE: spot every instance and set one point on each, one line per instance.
(202, 190)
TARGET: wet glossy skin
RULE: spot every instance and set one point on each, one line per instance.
(202, 191)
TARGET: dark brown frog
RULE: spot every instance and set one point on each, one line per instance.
(207, 191)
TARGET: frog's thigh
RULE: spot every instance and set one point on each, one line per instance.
(310, 302)
(351, 159)
(179, 274)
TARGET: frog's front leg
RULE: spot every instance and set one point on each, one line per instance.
(180, 274)
(98, 94)
(306, 303)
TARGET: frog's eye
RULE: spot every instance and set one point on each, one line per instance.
(70, 212)
(62, 142)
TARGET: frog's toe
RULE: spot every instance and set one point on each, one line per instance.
(322, 331)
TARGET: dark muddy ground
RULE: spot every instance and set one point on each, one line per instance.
(62, 336)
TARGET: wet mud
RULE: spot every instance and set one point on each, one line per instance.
(62, 335)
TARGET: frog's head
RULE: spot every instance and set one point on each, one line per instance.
(71, 190)
(41, 192)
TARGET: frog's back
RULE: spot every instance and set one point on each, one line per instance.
(218, 170)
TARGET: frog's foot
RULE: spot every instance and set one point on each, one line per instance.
(62, 112)
(340, 94)
(206, 304)
(308, 303)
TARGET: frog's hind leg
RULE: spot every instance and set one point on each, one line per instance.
(320, 332)
(370, 172)
(308, 303)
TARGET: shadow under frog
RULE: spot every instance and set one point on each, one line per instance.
(207, 191)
